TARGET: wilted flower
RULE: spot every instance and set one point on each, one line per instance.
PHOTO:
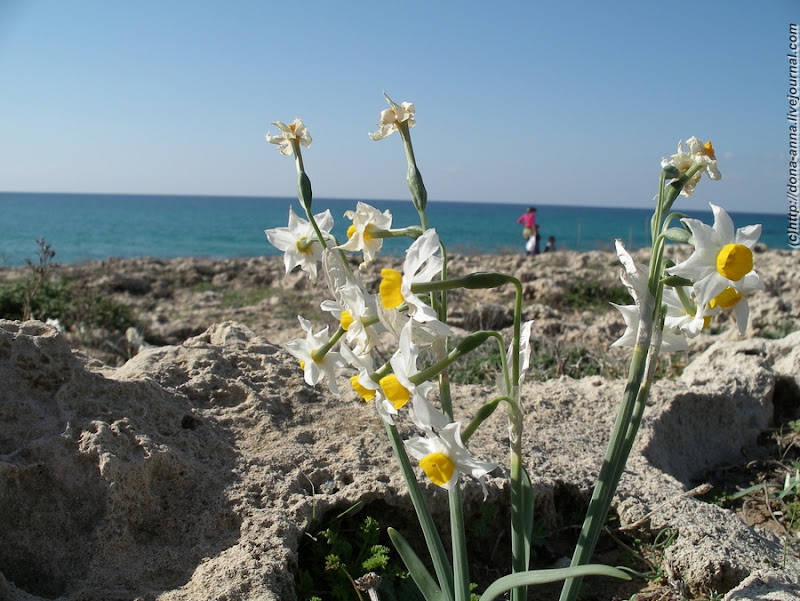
(392, 117)
(299, 241)
(315, 368)
(366, 221)
(634, 276)
(671, 342)
(697, 153)
(524, 356)
(292, 136)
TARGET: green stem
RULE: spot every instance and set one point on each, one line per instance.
(467, 345)
(474, 281)
(457, 531)
(319, 353)
(483, 414)
(606, 482)
(419, 195)
(634, 397)
(519, 538)
(412, 231)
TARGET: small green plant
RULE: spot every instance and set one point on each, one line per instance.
(582, 295)
(553, 359)
(335, 558)
(479, 367)
(779, 330)
(75, 305)
(38, 273)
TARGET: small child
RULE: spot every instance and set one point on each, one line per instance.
(551, 244)
(530, 245)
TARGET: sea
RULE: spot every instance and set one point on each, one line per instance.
(86, 227)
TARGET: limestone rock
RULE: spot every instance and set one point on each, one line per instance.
(192, 471)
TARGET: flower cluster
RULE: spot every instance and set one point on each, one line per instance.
(717, 278)
(405, 308)
(405, 319)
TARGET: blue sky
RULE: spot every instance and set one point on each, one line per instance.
(529, 102)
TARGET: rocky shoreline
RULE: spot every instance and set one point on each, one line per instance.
(567, 293)
(195, 468)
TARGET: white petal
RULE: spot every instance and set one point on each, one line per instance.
(422, 249)
(723, 224)
(741, 312)
(748, 235)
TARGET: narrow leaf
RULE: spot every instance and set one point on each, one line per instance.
(527, 504)
(533, 577)
(441, 565)
(423, 579)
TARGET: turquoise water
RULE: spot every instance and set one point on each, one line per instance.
(83, 227)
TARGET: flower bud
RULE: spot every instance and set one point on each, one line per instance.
(419, 195)
(676, 281)
(677, 234)
(483, 280)
(671, 171)
(471, 342)
(304, 190)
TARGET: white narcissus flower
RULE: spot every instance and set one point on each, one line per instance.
(358, 316)
(367, 388)
(315, 369)
(420, 266)
(697, 153)
(366, 219)
(299, 241)
(362, 383)
(734, 300)
(397, 386)
(292, 136)
(679, 318)
(391, 117)
(721, 258)
(443, 457)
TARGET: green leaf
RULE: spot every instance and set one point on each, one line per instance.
(527, 505)
(754, 488)
(532, 577)
(423, 579)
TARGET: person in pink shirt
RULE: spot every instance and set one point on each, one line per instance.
(528, 221)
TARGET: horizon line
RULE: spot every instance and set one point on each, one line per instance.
(394, 200)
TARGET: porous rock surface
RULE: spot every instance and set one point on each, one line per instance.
(192, 471)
